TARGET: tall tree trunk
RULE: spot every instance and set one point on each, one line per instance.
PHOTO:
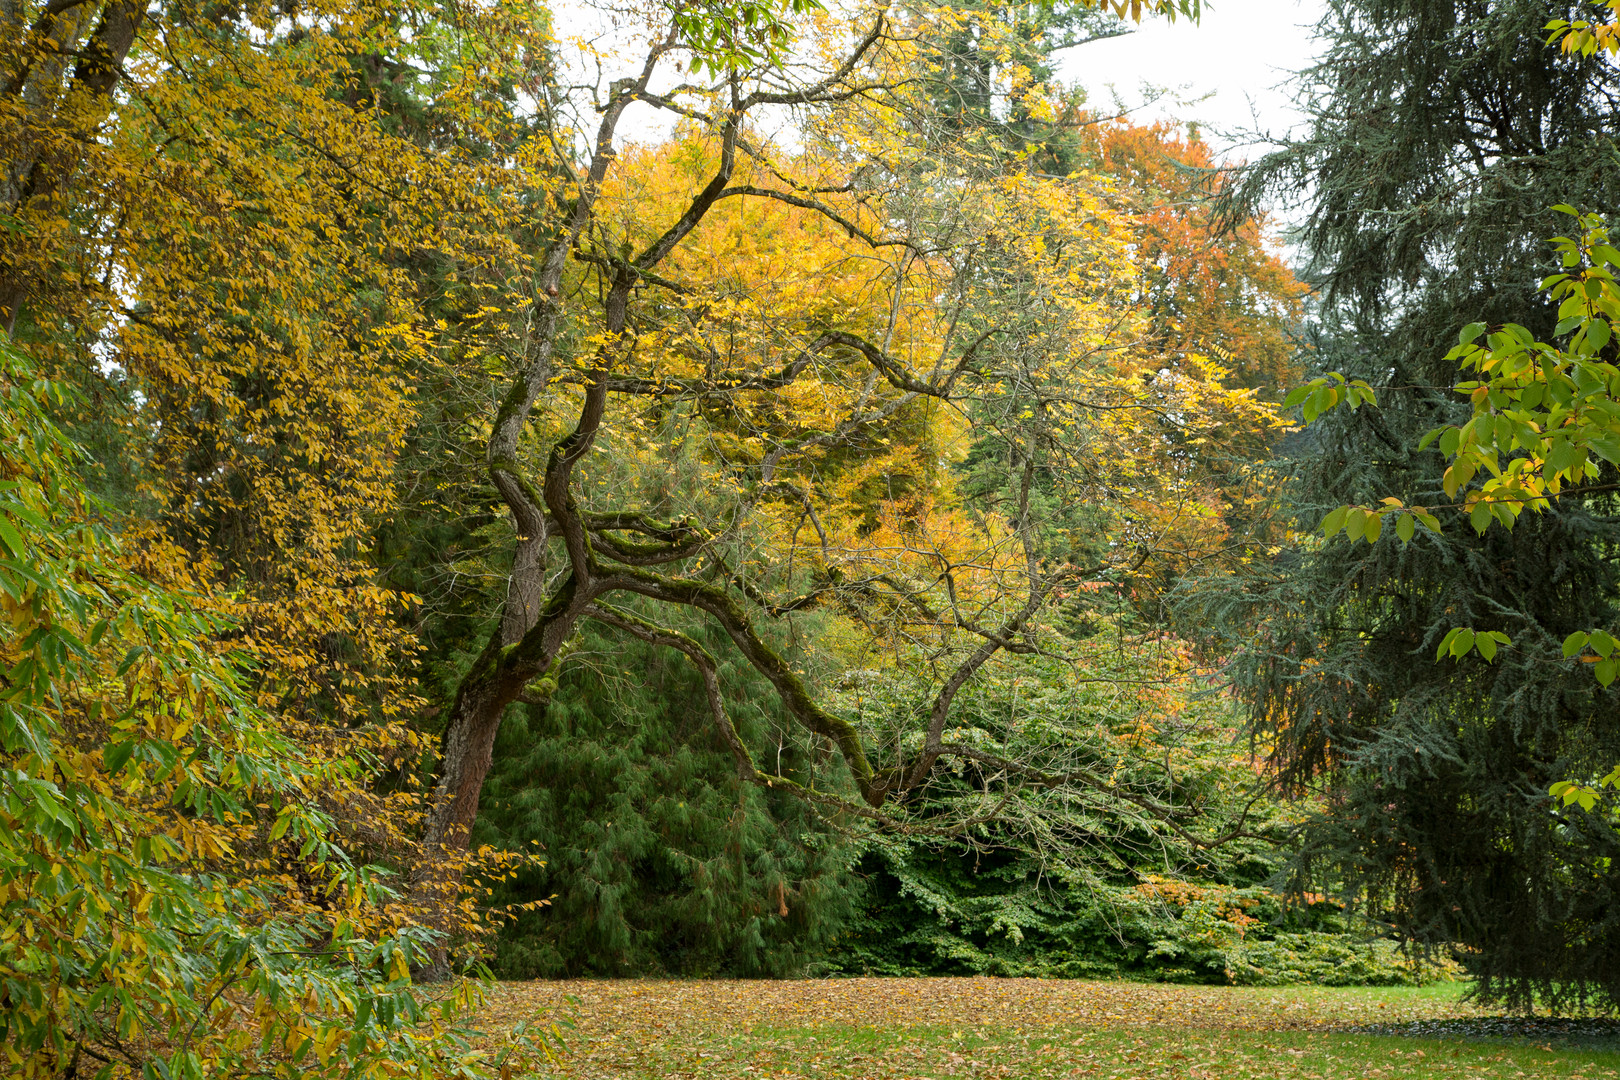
(57, 121)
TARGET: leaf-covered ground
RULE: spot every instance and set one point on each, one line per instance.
(905, 1029)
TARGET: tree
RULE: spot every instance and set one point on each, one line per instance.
(784, 263)
(262, 401)
(1427, 217)
(231, 224)
(214, 229)
(176, 895)
(1213, 286)
(999, 294)
(1210, 288)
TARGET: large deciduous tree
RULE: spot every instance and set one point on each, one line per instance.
(212, 224)
(788, 340)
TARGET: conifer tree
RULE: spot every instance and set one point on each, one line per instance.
(1442, 133)
(658, 860)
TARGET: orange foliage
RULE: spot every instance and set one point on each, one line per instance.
(1224, 292)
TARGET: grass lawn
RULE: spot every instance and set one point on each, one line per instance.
(986, 1028)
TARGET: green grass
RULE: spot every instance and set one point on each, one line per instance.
(1079, 1052)
(993, 1029)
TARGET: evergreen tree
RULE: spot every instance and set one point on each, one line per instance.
(1442, 132)
(658, 859)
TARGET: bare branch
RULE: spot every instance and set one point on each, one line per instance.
(701, 659)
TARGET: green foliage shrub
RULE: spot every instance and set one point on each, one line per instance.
(931, 914)
(1103, 889)
(658, 860)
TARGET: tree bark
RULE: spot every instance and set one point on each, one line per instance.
(48, 147)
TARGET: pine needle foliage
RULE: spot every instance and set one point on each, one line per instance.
(661, 861)
(1442, 133)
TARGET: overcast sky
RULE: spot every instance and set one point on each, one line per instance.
(1235, 59)
(1239, 53)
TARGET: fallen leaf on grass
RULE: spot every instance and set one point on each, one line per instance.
(986, 1029)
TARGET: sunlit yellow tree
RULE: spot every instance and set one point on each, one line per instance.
(213, 225)
(747, 368)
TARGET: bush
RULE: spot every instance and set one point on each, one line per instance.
(659, 861)
(1008, 923)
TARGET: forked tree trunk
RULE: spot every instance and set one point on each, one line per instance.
(534, 624)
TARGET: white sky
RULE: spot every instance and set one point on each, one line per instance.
(1239, 53)
(1226, 71)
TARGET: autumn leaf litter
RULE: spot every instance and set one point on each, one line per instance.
(974, 1026)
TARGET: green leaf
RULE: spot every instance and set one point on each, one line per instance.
(1470, 333)
(1462, 642)
(1445, 642)
(1597, 335)
(1320, 401)
(1562, 455)
(116, 756)
(1602, 643)
(1608, 449)
(12, 539)
(1334, 521)
(1605, 671)
(1405, 527)
(1375, 527)
(1575, 643)
(1486, 646)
